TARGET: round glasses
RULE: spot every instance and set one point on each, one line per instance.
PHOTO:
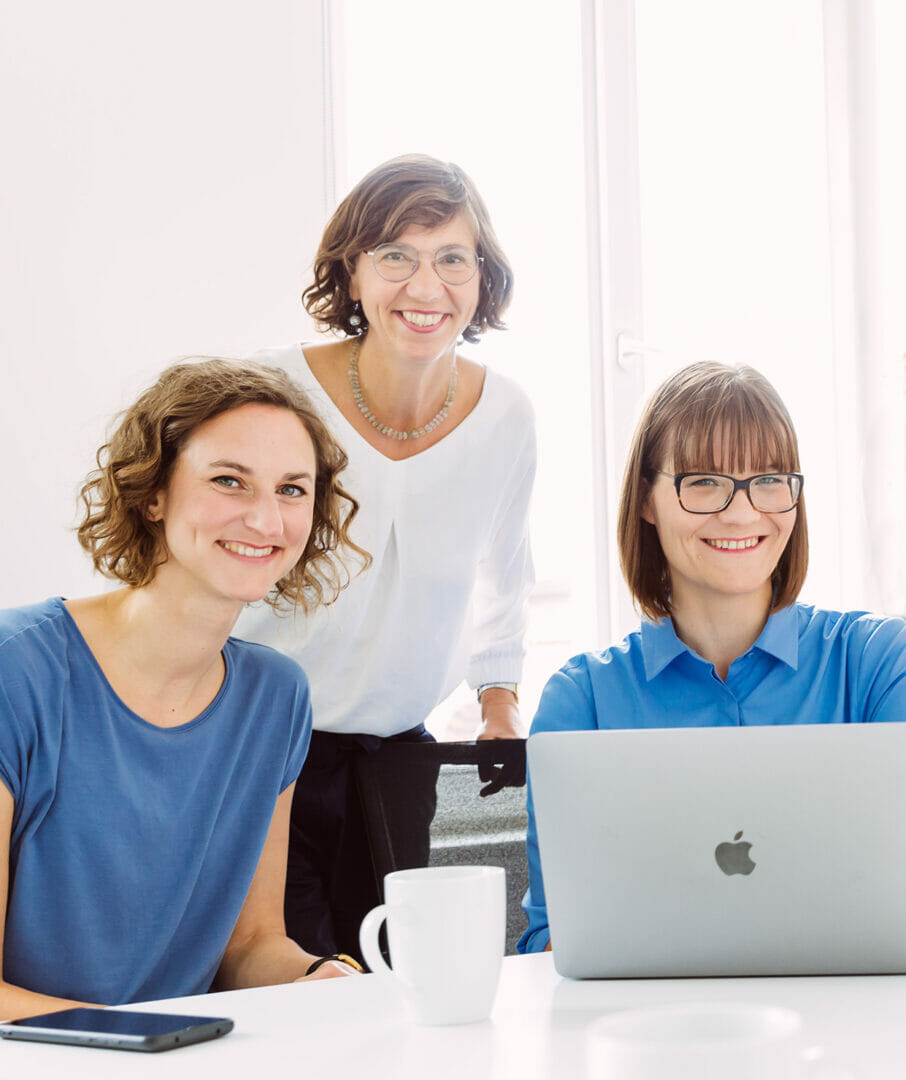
(398, 262)
(709, 493)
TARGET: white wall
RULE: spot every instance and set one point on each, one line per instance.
(162, 192)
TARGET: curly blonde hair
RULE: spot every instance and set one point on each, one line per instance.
(137, 461)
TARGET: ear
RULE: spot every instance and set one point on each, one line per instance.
(355, 292)
(647, 511)
(154, 511)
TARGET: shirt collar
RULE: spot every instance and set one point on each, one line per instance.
(661, 646)
(780, 637)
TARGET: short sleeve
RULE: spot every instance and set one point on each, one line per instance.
(13, 752)
(300, 735)
(32, 672)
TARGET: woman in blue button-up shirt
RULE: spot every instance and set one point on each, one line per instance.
(714, 547)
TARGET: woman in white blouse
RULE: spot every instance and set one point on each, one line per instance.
(442, 461)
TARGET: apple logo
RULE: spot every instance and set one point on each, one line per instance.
(734, 858)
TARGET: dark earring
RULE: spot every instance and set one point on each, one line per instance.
(355, 320)
(473, 328)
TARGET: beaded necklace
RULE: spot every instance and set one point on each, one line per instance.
(385, 429)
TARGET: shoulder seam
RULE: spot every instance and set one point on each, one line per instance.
(44, 618)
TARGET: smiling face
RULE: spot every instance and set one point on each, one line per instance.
(730, 553)
(421, 317)
(237, 511)
(716, 418)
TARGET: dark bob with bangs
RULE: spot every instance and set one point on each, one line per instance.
(137, 461)
(715, 418)
(410, 190)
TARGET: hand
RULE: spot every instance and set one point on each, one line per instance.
(333, 969)
(497, 769)
(503, 767)
(499, 715)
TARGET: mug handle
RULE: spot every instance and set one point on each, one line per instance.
(368, 940)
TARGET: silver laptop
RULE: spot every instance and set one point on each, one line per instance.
(724, 851)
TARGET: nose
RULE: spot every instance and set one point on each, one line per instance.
(740, 508)
(425, 283)
(264, 515)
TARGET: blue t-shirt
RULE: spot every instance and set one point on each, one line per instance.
(133, 846)
(807, 666)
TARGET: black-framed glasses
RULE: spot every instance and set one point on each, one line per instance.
(709, 493)
(453, 264)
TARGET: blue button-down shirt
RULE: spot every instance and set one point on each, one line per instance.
(807, 666)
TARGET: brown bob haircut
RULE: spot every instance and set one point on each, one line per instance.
(410, 190)
(137, 461)
(716, 418)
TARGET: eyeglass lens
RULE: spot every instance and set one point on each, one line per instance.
(773, 493)
(396, 262)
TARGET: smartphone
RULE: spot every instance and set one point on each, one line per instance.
(117, 1030)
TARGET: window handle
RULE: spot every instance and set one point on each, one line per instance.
(629, 347)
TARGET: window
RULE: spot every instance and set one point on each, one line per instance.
(734, 210)
(503, 101)
(764, 142)
(673, 181)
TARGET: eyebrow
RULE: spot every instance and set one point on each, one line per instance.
(246, 471)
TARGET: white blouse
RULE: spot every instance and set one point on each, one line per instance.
(445, 596)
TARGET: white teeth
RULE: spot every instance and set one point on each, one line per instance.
(423, 318)
(244, 549)
(734, 545)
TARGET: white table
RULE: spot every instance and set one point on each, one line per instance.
(359, 1028)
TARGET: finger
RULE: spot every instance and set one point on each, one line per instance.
(493, 787)
(333, 969)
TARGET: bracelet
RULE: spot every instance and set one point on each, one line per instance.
(511, 686)
(344, 958)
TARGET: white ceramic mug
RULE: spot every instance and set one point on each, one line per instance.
(446, 929)
(703, 1041)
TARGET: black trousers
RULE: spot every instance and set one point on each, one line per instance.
(330, 879)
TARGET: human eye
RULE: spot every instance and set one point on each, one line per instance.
(769, 480)
(704, 481)
(394, 256)
(293, 491)
(456, 256)
(229, 482)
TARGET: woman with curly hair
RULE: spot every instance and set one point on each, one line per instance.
(148, 758)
